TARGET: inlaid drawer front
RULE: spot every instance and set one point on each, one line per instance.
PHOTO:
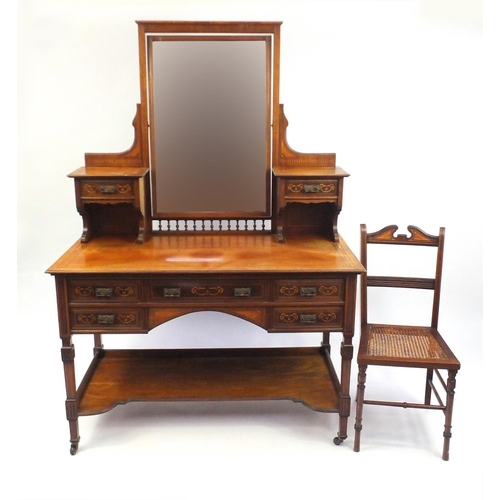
(311, 189)
(104, 189)
(178, 291)
(96, 319)
(329, 290)
(309, 319)
(102, 291)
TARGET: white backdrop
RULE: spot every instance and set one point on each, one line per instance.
(395, 88)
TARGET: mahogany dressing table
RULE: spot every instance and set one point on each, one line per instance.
(169, 229)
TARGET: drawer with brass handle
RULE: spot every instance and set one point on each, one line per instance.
(311, 189)
(298, 290)
(103, 291)
(105, 189)
(317, 319)
(187, 290)
(119, 319)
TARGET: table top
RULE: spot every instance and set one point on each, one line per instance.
(208, 253)
(103, 172)
(310, 171)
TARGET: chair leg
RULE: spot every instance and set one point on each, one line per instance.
(428, 388)
(450, 395)
(360, 396)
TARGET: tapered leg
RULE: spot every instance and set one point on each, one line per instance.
(74, 436)
(360, 396)
(344, 407)
(450, 396)
(346, 353)
(68, 357)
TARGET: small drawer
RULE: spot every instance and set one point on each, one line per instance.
(123, 320)
(314, 189)
(317, 319)
(86, 291)
(324, 290)
(105, 189)
(195, 291)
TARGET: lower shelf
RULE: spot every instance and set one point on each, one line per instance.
(302, 374)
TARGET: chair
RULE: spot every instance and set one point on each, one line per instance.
(401, 345)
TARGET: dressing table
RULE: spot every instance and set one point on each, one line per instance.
(209, 210)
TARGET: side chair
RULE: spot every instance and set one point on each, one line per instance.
(406, 346)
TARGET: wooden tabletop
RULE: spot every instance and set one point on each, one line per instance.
(310, 171)
(193, 253)
(84, 172)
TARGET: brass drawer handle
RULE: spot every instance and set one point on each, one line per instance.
(107, 188)
(242, 292)
(311, 188)
(308, 291)
(103, 292)
(106, 319)
(171, 292)
(308, 319)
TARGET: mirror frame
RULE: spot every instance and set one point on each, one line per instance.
(270, 31)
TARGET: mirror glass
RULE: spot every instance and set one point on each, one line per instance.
(210, 125)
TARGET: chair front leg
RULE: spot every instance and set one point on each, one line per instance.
(450, 396)
(360, 396)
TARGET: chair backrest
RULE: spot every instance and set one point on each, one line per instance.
(388, 236)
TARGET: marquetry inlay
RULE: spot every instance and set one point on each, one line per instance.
(124, 291)
(90, 318)
(84, 291)
(204, 291)
(294, 290)
(87, 319)
(327, 317)
(98, 188)
(89, 291)
(323, 188)
(289, 318)
(125, 319)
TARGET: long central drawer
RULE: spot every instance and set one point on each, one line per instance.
(180, 289)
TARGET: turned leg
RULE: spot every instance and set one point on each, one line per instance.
(360, 397)
(68, 357)
(450, 396)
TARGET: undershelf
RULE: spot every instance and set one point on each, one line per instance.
(302, 374)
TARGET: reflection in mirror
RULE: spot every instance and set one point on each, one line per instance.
(210, 124)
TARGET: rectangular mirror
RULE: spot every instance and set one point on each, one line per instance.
(211, 97)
